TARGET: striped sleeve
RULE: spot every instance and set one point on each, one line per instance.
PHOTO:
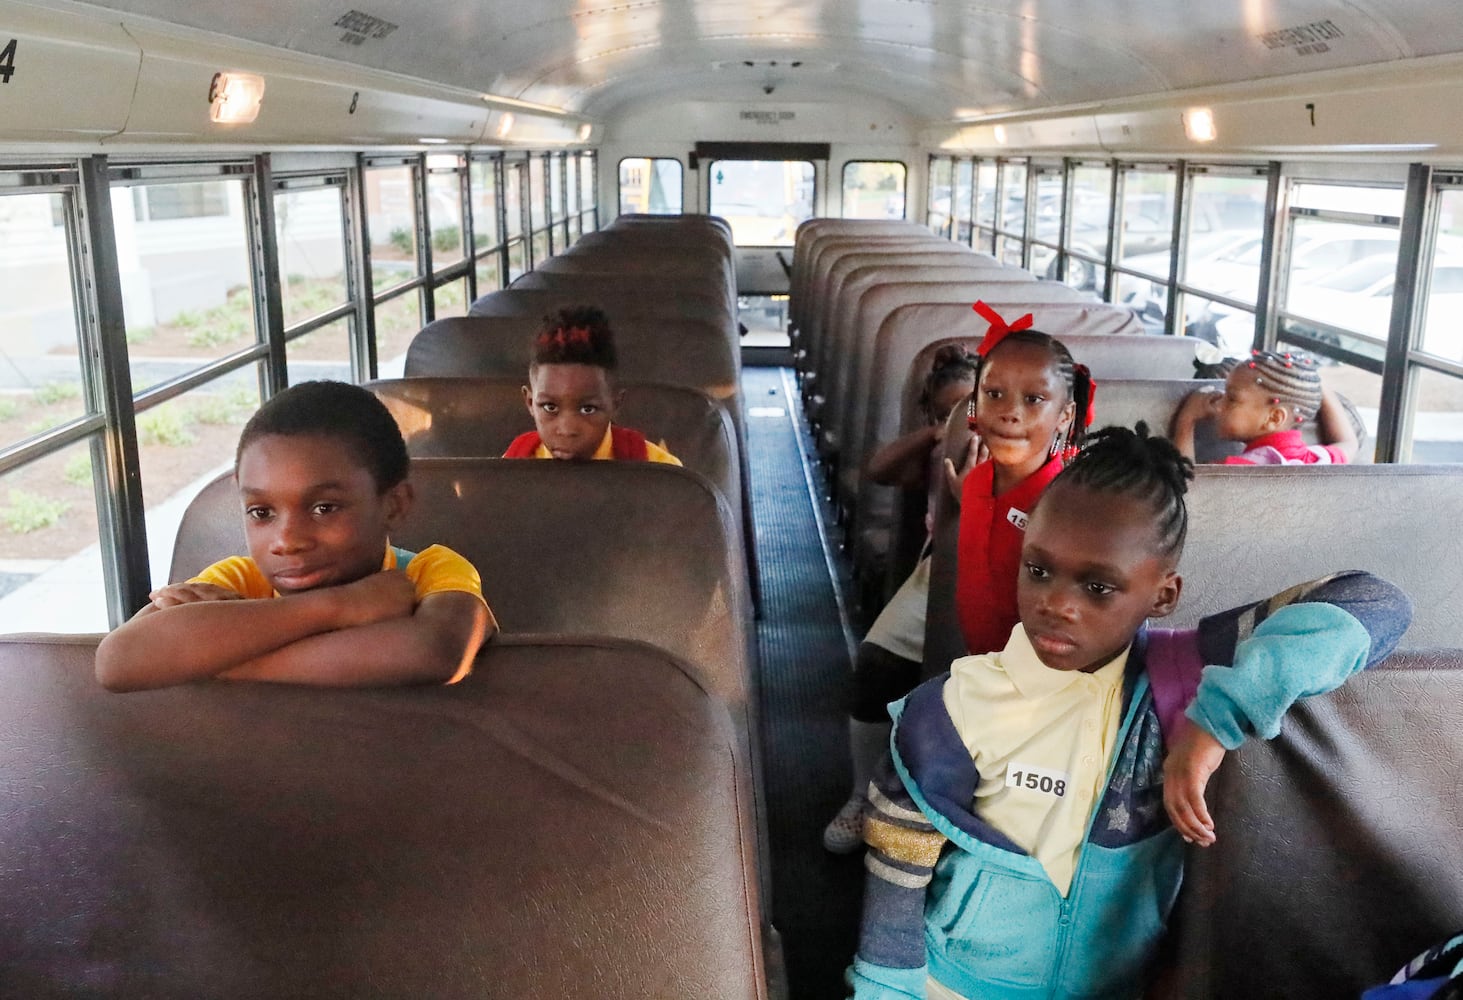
(903, 848)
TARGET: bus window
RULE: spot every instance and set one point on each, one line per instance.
(392, 218)
(444, 209)
(762, 200)
(309, 226)
(650, 186)
(873, 189)
(937, 203)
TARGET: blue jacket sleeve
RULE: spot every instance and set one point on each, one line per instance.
(903, 847)
(1304, 641)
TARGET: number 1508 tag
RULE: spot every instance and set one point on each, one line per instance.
(1037, 779)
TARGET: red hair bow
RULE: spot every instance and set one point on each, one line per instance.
(565, 335)
(999, 328)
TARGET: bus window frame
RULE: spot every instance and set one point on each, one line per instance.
(843, 184)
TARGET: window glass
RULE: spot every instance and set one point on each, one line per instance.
(322, 353)
(762, 200)
(444, 211)
(873, 190)
(650, 186)
(555, 166)
(1442, 321)
(1048, 207)
(1229, 329)
(536, 219)
(42, 383)
(489, 274)
(1146, 231)
(484, 204)
(1226, 223)
(513, 196)
(1087, 234)
(985, 193)
(391, 215)
(1347, 198)
(397, 322)
(187, 291)
(161, 202)
(1341, 275)
(450, 299)
(309, 229)
(182, 444)
(1008, 250)
(1437, 418)
(517, 261)
(590, 197)
(50, 560)
(1042, 258)
(571, 185)
(964, 192)
(540, 247)
(1013, 198)
(937, 214)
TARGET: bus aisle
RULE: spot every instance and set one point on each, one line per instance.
(804, 647)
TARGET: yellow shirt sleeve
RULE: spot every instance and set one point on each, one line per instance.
(437, 569)
(239, 574)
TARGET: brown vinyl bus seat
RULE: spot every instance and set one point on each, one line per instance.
(676, 352)
(629, 549)
(572, 819)
(645, 301)
(1338, 856)
(479, 417)
(694, 270)
(1255, 531)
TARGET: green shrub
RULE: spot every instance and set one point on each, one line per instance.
(403, 239)
(446, 238)
(140, 334)
(78, 469)
(165, 425)
(216, 408)
(186, 319)
(31, 512)
(56, 392)
(8, 408)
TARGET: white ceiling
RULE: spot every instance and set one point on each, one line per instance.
(938, 59)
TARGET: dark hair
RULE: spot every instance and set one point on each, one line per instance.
(1134, 464)
(339, 410)
(952, 363)
(579, 335)
(1075, 377)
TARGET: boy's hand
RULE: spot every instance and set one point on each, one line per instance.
(1192, 757)
(175, 594)
(378, 597)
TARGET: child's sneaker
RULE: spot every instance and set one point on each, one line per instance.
(845, 834)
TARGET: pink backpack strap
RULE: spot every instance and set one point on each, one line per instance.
(1174, 666)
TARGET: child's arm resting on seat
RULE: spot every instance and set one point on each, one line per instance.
(903, 848)
(190, 633)
(1302, 642)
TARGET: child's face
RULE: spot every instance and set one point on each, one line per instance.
(1245, 411)
(1021, 405)
(1089, 576)
(572, 406)
(947, 398)
(312, 514)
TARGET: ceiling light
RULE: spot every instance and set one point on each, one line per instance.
(1000, 134)
(234, 98)
(585, 131)
(430, 141)
(505, 125)
(1199, 125)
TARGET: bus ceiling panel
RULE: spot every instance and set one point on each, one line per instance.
(63, 78)
(942, 59)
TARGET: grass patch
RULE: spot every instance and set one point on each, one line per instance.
(29, 512)
(57, 392)
(78, 469)
(166, 425)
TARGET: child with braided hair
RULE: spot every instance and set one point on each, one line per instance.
(1031, 406)
(1264, 401)
(572, 395)
(1027, 832)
